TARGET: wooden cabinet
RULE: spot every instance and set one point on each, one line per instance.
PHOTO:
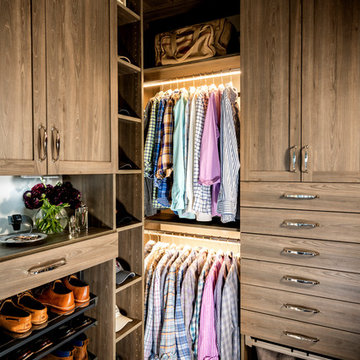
(300, 86)
(270, 89)
(56, 85)
(21, 113)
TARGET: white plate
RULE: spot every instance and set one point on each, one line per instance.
(22, 238)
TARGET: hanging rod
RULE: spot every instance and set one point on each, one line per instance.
(192, 78)
(191, 237)
(299, 354)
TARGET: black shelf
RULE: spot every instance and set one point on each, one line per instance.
(9, 344)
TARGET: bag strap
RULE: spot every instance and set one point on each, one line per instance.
(196, 36)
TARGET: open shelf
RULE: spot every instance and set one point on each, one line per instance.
(9, 344)
(126, 15)
(215, 64)
(128, 283)
(129, 118)
(125, 67)
(130, 147)
(129, 95)
(128, 329)
(132, 225)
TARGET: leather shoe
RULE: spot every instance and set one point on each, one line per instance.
(14, 318)
(37, 310)
(64, 353)
(58, 298)
(80, 289)
(80, 344)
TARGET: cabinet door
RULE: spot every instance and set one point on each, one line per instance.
(22, 95)
(331, 90)
(270, 89)
(78, 86)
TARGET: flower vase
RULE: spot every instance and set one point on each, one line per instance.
(51, 221)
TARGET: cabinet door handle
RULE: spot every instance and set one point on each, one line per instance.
(46, 267)
(55, 144)
(300, 308)
(300, 196)
(43, 142)
(305, 153)
(301, 337)
(299, 224)
(300, 280)
(292, 158)
(301, 252)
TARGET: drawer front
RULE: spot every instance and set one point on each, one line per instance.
(328, 283)
(305, 252)
(315, 224)
(336, 343)
(310, 309)
(302, 196)
(19, 274)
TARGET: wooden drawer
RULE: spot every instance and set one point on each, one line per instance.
(327, 226)
(336, 343)
(15, 276)
(328, 197)
(310, 309)
(332, 284)
(328, 254)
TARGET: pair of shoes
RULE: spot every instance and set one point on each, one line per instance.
(75, 350)
(63, 296)
(20, 315)
(31, 351)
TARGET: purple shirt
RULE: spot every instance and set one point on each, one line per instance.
(207, 348)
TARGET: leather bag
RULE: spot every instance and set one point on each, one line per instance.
(194, 42)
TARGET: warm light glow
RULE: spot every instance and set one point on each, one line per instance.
(193, 78)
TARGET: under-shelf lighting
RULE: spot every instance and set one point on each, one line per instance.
(192, 78)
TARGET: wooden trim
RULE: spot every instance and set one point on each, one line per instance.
(129, 118)
(128, 283)
(127, 68)
(129, 227)
(128, 329)
(130, 171)
(126, 15)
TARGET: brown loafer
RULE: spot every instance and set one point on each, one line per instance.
(80, 289)
(58, 298)
(14, 318)
(37, 310)
(80, 344)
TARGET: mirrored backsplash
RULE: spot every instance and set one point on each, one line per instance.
(12, 189)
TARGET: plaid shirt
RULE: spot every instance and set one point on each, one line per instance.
(168, 338)
(202, 193)
(230, 322)
(150, 139)
(153, 320)
(182, 346)
(188, 292)
(194, 326)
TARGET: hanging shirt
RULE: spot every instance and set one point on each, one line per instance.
(182, 346)
(178, 187)
(202, 194)
(229, 155)
(195, 321)
(225, 267)
(168, 338)
(207, 347)
(188, 292)
(230, 328)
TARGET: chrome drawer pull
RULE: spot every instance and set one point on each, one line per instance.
(301, 337)
(292, 159)
(302, 252)
(46, 267)
(300, 280)
(300, 196)
(299, 224)
(304, 309)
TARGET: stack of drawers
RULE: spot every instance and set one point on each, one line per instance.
(300, 268)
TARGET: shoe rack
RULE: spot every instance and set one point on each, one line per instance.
(129, 180)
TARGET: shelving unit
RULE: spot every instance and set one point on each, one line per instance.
(128, 183)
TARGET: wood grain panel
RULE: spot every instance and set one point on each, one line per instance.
(332, 284)
(270, 99)
(333, 197)
(78, 256)
(331, 88)
(336, 343)
(331, 226)
(18, 124)
(335, 314)
(331, 254)
(78, 83)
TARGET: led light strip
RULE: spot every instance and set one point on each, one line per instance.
(193, 78)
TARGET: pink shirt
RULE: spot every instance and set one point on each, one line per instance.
(207, 348)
